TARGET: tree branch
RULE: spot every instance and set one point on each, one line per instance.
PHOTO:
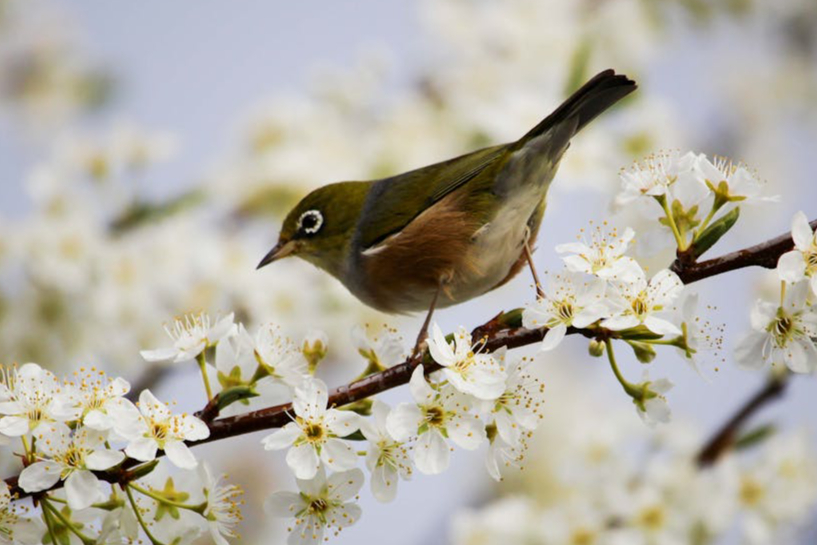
(504, 330)
(725, 437)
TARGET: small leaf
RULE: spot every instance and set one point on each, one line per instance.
(356, 436)
(637, 333)
(714, 232)
(755, 436)
(363, 407)
(236, 393)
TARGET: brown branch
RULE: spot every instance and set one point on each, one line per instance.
(504, 330)
(763, 255)
(725, 437)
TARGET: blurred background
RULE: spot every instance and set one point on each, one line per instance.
(148, 151)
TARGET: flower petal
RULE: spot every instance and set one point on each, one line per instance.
(553, 337)
(303, 461)
(40, 476)
(103, 459)
(338, 455)
(431, 454)
(82, 490)
(282, 438)
(180, 454)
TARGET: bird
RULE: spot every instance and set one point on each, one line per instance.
(446, 233)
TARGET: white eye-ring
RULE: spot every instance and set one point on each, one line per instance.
(310, 222)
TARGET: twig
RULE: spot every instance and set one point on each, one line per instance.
(725, 437)
(504, 330)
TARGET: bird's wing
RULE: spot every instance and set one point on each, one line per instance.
(394, 202)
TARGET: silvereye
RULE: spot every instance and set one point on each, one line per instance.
(448, 232)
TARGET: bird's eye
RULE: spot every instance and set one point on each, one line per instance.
(310, 222)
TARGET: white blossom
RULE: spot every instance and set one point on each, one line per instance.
(735, 181)
(470, 372)
(602, 256)
(517, 411)
(436, 415)
(15, 529)
(279, 356)
(569, 301)
(191, 335)
(388, 459)
(381, 346)
(223, 511)
(72, 459)
(313, 435)
(152, 426)
(656, 174)
(92, 398)
(801, 262)
(28, 399)
(782, 334)
(642, 303)
(321, 504)
(654, 408)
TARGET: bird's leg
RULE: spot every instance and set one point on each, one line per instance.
(529, 256)
(421, 337)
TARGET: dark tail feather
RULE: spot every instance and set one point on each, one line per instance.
(602, 91)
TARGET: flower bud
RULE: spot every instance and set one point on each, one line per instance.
(314, 347)
(644, 352)
(596, 348)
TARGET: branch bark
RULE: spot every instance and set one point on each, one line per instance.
(504, 330)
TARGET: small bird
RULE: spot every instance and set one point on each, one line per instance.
(448, 232)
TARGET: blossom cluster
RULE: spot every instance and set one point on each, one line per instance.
(784, 331)
(473, 398)
(76, 430)
(607, 293)
(592, 489)
(697, 197)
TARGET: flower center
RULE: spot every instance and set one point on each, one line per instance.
(582, 536)
(750, 492)
(318, 506)
(35, 416)
(160, 430)
(565, 311)
(313, 432)
(782, 329)
(463, 364)
(73, 457)
(639, 306)
(652, 517)
(811, 261)
(435, 416)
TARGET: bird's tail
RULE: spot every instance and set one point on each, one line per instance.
(599, 93)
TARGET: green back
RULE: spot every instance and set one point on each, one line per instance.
(394, 202)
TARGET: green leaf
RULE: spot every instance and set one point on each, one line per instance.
(236, 393)
(363, 407)
(356, 436)
(755, 436)
(714, 232)
(637, 333)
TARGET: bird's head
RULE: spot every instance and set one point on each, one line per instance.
(320, 227)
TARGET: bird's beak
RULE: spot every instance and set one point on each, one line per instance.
(280, 251)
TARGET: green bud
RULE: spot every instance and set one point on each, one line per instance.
(362, 407)
(712, 234)
(596, 348)
(314, 349)
(644, 352)
(491, 432)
